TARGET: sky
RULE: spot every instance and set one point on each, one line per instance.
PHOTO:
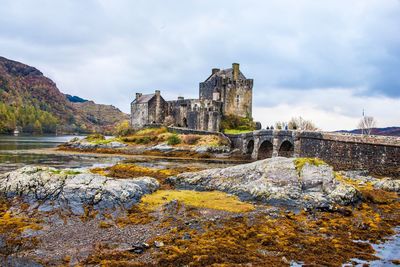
(323, 60)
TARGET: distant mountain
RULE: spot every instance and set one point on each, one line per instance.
(389, 131)
(33, 103)
(75, 99)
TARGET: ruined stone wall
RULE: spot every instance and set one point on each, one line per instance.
(195, 114)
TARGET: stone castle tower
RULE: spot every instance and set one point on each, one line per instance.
(230, 87)
(224, 92)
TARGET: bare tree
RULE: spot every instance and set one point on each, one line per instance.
(298, 123)
(366, 124)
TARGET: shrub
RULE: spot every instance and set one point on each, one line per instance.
(233, 122)
(123, 129)
(173, 140)
(95, 137)
(190, 139)
(143, 140)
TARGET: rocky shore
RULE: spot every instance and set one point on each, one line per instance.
(283, 211)
(48, 188)
(154, 142)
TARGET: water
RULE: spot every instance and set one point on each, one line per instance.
(31, 142)
(20, 151)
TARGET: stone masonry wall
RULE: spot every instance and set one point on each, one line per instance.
(379, 155)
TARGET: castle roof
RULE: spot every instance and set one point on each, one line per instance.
(144, 99)
(226, 73)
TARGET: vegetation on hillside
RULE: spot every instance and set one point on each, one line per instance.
(34, 104)
(28, 118)
(232, 124)
(162, 135)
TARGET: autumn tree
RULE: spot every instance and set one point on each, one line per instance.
(298, 123)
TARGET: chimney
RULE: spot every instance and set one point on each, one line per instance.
(158, 93)
(138, 95)
(215, 70)
(235, 71)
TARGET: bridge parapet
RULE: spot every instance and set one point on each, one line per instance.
(379, 154)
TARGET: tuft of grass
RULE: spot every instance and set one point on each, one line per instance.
(173, 140)
(210, 200)
(300, 162)
(94, 137)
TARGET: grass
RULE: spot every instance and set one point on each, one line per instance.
(160, 135)
(236, 131)
(173, 140)
(210, 200)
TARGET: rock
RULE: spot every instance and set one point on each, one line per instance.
(53, 188)
(274, 180)
(139, 248)
(388, 184)
(84, 144)
(362, 177)
(212, 149)
(158, 244)
(161, 147)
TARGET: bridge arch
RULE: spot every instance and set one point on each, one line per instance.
(249, 147)
(265, 150)
(286, 149)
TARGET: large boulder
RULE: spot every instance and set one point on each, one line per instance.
(275, 180)
(50, 188)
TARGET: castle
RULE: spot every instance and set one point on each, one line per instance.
(224, 92)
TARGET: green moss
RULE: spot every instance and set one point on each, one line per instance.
(236, 131)
(300, 162)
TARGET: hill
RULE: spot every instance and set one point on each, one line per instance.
(389, 131)
(33, 103)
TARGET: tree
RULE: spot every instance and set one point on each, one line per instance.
(366, 124)
(123, 128)
(298, 123)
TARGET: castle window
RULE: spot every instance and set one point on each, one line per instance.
(237, 100)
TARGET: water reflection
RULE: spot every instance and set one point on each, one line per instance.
(31, 142)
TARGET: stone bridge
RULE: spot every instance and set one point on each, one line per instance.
(378, 154)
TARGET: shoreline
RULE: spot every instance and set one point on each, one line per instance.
(56, 151)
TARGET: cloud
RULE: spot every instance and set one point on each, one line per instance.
(108, 50)
(330, 109)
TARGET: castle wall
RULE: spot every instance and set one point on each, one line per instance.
(237, 98)
(156, 110)
(139, 115)
(195, 113)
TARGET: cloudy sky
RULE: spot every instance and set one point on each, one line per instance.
(323, 60)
